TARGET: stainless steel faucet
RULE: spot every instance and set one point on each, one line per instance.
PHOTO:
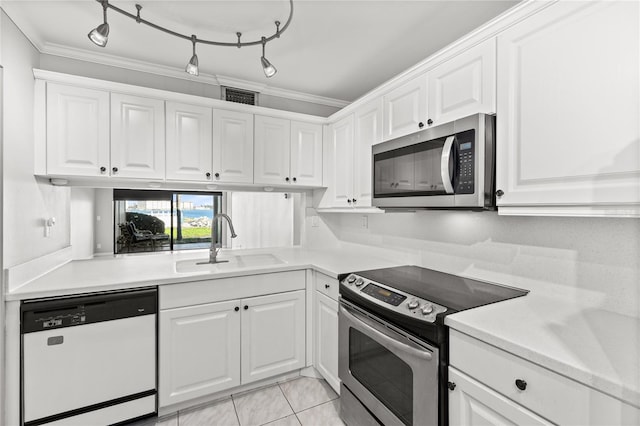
(215, 248)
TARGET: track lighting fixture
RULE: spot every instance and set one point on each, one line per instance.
(269, 70)
(100, 35)
(192, 66)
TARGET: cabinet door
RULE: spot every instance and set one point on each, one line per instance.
(472, 403)
(273, 335)
(326, 345)
(137, 137)
(77, 131)
(567, 128)
(405, 108)
(464, 85)
(368, 132)
(306, 153)
(341, 160)
(272, 150)
(232, 146)
(199, 351)
(188, 142)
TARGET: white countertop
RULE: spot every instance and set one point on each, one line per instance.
(569, 336)
(558, 330)
(128, 271)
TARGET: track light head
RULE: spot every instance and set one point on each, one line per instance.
(192, 66)
(100, 34)
(269, 70)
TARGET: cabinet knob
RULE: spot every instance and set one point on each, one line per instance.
(103, 169)
(499, 193)
(208, 175)
(295, 179)
(349, 200)
(421, 124)
(429, 122)
(114, 170)
(521, 384)
(327, 286)
(451, 385)
(246, 307)
(217, 175)
(237, 308)
(354, 201)
(286, 179)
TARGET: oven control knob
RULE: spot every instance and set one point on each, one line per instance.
(427, 309)
(413, 303)
(359, 282)
(351, 279)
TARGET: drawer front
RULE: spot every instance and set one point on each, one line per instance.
(208, 291)
(550, 395)
(327, 285)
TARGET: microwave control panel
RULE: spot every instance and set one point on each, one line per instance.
(465, 182)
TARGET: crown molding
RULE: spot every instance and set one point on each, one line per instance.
(173, 72)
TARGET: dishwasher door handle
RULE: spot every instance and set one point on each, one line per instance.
(55, 340)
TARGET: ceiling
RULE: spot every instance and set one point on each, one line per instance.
(332, 49)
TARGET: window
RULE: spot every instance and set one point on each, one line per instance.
(164, 220)
(151, 220)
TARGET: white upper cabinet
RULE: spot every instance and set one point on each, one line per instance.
(306, 153)
(188, 142)
(137, 137)
(287, 152)
(368, 132)
(272, 150)
(338, 158)
(232, 146)
(77, 131)
(568, 140)
(405, 108)
(463, 85)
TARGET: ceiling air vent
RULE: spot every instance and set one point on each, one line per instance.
(232, 94)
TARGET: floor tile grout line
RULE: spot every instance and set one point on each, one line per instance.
(287, 399)
(235, 410)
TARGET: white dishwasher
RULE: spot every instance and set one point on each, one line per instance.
(89, 360)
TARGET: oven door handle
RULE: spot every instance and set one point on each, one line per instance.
(445, 173)
(368, 324)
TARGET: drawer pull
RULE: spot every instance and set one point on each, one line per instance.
(451, 385)
(521, 384)
(327, 286)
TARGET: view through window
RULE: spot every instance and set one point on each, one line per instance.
(148, 220)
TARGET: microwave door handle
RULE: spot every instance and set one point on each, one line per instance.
(406, 347)
(444, 164)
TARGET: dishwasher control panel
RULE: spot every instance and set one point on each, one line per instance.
(47, 314)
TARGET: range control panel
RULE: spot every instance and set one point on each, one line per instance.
(395, 300)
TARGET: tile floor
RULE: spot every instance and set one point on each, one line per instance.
(301, 401)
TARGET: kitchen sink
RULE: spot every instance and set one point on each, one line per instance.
(232, 262)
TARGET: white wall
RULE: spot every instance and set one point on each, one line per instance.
(82, 222)
(598, 255)
(191, 87)
(262, 219)
(27, 201)
(103, 234)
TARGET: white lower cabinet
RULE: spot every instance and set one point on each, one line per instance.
(472, 403)
(273, 335)
(199, 351)
(211, 347)
(325, 319)
(494, 387)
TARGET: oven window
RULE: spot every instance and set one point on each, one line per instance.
(385, 375)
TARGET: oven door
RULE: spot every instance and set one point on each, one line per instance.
(394, 375)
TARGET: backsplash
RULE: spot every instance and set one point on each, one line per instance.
(593, 258)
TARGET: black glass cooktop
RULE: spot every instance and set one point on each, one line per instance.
(454, 292)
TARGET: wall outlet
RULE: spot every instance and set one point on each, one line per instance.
(98, 218)
(365, 222)
(98, 246)
(315, 221)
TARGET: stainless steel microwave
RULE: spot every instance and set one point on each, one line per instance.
(450, 166)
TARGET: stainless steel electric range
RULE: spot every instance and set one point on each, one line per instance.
(393, 344)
